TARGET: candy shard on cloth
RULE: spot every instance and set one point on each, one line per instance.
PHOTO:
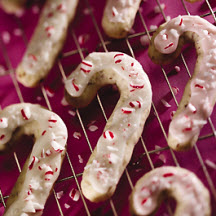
(124, 127)
(191, 196)
(42, 167)
(199, 96)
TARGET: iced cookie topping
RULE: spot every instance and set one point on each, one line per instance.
(46, 41)
(190, 194)
(43, 166)
(124, 127)
(199, 96)
(119, 14)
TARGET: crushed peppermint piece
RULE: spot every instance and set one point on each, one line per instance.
(157, 8)
(2, 70)
(49, 91)
(153, 27)
(59, 194)
(6, 37)
(177, 68)
(80, 159)
(26, 113)
(210, 163)
(157, 148)
(165, 103)
(67, 206)
(17, 32)
(71, 112)
(144, 40)
(175, 90)
(162, 158)
(172, 113)
(64, 102)
(93, 128)
(168, 18)
(108, 135)
(77, 135)
(82, 39)
(74, 194)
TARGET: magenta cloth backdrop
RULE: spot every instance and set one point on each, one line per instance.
(16, 31)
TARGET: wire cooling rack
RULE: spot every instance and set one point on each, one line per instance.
(86, 125)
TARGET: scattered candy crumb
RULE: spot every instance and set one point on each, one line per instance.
(153, 27)
(6, 37)
(59, 194)
(92, 128)
(71, 112)
(210, 164)
(67, 206)
(64, 102)
(165, 103)
(175, 90)
(77, 135)
(177, 68)
(144, 40)
(74, 194)
(162, 158)
(157, 148)
(80, 159)
(157, 8)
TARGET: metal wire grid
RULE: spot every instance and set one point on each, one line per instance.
(146, 152)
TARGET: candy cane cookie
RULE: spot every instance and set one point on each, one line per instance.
(199, 96)
(12, 6)
(42, 167)
(124, 127)
(46, 42)
(192, 198)
(119, 16)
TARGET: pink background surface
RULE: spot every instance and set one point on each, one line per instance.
(16, 30)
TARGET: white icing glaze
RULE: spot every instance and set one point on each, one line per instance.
(48, 37)
(184, 186)
(186, 125)
(119, 16)
(118, 11)
(45, 159)
(125, 125)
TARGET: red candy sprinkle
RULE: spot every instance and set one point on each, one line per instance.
(118, 61)
(85, 71)
(144, 201)
(75, 86)
(50, 14)
(23, 114)
(2, 137)
(199, 86)
(181, 21)
(32, 163)
(32, 57)
(168, 175)
(126, 111)
(52, 120)
(137, 86)
(187, 129)
(169, 45)
(43, 132)
(119, 54)
(85, 63)
(49, 173)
